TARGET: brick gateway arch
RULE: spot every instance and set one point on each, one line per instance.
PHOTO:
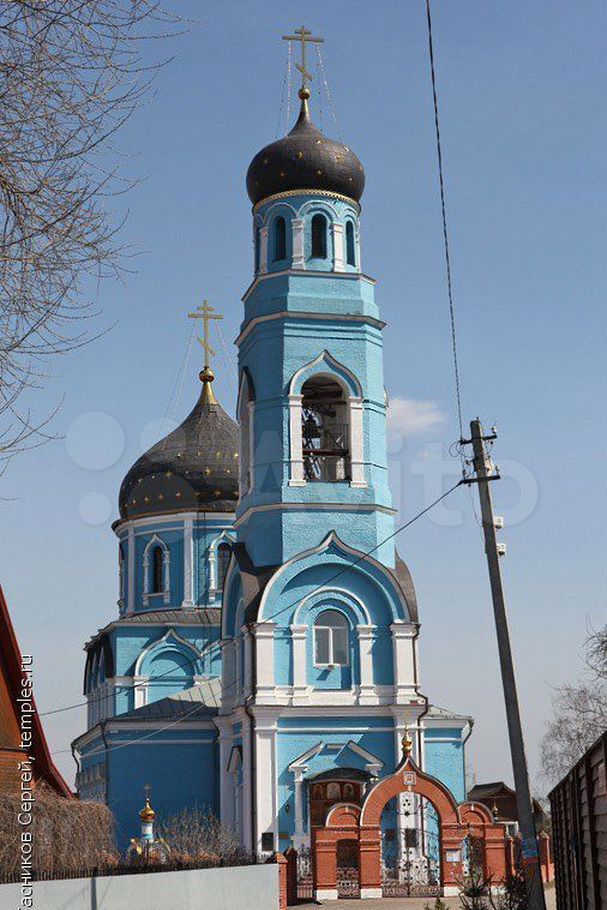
(362, 825)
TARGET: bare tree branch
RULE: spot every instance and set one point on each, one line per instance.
(71, 75)
(580, 713)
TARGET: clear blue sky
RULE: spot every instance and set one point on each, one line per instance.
(522, 90)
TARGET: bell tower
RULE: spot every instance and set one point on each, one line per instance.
(312, 405)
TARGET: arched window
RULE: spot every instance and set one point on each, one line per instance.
(157, 571)
(331, 639)
(319, 237)
(257, 249)
(350, 249)
(224, 551)
(325, 431)
(280, 239)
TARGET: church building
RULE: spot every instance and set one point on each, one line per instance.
(264, 659)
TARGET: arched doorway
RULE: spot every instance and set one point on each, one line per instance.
(410, 848)
(454, 824)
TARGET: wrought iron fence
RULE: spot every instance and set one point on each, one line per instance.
(305, 883)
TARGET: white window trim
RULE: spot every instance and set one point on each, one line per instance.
(224, 537)
(166, 571)
(331, 664)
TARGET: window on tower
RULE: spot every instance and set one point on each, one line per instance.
(319, 237)
(224, 551)
(350, 248)
(280, 239)
(157, 570)
(331, 639)
(325, 431)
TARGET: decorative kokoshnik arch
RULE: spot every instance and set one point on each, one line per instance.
(363, 825)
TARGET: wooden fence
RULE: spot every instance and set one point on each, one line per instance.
(579, 832)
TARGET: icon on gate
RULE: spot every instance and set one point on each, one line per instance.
(409, 779)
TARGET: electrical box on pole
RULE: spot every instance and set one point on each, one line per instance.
(484, 474)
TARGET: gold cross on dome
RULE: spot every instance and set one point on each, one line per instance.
(207, 313)
(304, 36)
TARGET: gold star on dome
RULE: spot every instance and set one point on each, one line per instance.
(146, 498)
(235, 454)
(169, 474)
(178, 494)
(160, 496)
(217, 492)
(207, 472)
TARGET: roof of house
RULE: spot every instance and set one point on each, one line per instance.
(498, 789)
(11, 672)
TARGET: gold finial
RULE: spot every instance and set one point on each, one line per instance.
(407, 744)
(304, 36)
(207, 314)
(495, 812)
(147, 814)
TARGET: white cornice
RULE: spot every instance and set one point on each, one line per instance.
(205, 517)
(305, 273)
(299, 314)
(316, 506)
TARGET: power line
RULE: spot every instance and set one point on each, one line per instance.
(445, 229)
(271, 618)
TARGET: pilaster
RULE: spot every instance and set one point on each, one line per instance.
(264, 652)
(265, 778)
(188, 563)
(130, 603)
(247, 644)
(298, 260)
(296, 474)
(263, 250)
(299, 636)
(366, 635)
(403, 647)
(338, 247)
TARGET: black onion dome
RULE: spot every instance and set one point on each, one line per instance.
(305, 159)
(194, 468)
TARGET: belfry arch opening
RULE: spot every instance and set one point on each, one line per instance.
(325, 431)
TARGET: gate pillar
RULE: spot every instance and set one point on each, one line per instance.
(495, 853)
(451, 858)
(325, 865)
(369, 862)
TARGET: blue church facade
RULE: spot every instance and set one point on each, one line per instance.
(265, 662)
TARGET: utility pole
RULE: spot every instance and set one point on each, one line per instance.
(484, 474)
